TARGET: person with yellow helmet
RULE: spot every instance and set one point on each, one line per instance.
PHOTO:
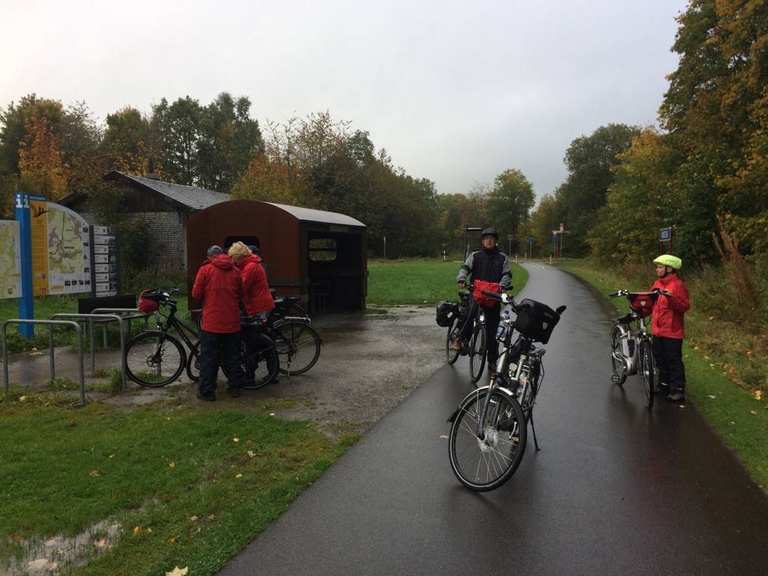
(668, 327)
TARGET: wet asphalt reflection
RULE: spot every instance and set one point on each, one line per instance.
(616, 489)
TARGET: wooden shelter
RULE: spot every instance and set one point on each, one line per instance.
(317, 255)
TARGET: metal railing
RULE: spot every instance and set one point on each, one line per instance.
(128, 314)
(51, 363)
(91, 318)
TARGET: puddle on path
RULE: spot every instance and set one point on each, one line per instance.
(44, 557)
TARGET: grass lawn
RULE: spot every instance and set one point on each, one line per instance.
(150, 488)
(420, 282)
(739, 416)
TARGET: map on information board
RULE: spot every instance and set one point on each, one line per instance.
(61, 252)
(10, 259)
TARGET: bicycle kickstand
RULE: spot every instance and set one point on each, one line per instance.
(533, 429)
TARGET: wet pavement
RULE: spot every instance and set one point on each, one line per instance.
(615, 490)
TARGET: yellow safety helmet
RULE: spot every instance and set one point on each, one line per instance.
(669, 260)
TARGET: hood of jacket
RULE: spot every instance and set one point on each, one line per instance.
(222, 261)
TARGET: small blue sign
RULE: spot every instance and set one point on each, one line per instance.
(665, 234)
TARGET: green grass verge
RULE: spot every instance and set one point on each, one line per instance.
(420, 282)
(189, 486)
(738, 416)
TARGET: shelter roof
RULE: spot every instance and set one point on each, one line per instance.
(312, 215)
(188, 196)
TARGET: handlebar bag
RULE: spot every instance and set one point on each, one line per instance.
(482, 299)
(536, 320)
(146, 304)
(445, 313)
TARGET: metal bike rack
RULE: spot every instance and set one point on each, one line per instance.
(51, 324)
(128, 314)
(101, 318)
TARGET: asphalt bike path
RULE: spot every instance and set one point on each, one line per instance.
(616, 489)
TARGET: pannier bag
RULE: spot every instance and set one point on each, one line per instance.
(445, 313)
(147, 304)
(535, 320)
(642, 303)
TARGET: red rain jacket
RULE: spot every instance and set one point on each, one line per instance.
(667, 319)
(219, 288)
(256, 295)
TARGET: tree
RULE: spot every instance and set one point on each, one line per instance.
(41, 170)
(510, 202)
(590, 160)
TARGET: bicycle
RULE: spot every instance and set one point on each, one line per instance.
(632, 344)
(453, 315)
(155, 358)
(489, 429)
(296, 344)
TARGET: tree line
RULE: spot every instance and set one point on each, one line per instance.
(315, 161)
(704, 172)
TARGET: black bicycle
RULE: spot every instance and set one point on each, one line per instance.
(298, 343)
(155, 358)
(453, 315)
(488, 432)
(632, 344)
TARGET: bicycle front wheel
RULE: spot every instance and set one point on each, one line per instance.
(484, 458)
(647, 372)
(619, 375)
(299, 347)
(477, 353)
(154, 359)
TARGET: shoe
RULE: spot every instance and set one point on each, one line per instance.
(676, 396)
(662, 388)
(233, 391)
(206, 397)
(455, 344)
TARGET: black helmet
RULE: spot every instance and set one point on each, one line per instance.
(489, 232)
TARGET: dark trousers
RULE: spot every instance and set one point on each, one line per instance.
(219, 350)
(668, 355)
(492, 317)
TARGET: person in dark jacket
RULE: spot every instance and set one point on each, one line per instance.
(668, 327)
(489, 270)
(219, 288)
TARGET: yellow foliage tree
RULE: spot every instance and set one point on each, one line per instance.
(41, 168)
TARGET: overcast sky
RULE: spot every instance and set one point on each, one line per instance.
(455, 91)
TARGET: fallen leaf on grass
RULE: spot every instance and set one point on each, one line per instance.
(193, 518)
(238, 475)
(94, 473)
(235, 440)
(753, 412)
(22, 398)
(137, 530)
(251, 454)
(172, 465)
(178, 571)
(711, 396)
(758, 394)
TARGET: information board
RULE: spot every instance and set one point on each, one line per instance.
(10, 259)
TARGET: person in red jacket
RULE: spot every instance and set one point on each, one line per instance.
(668, 327)
(219, 288)
(257, 299)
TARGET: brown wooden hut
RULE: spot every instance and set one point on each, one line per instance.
(317, 255)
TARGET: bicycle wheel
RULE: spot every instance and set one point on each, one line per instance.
(452, 355)
(619, 375)
(193, 363)
(298, 345)
(260, 368)
(647, 372)
(486, 463)
(477, 353)
(154, 359)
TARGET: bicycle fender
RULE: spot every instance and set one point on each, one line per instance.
(506, 391)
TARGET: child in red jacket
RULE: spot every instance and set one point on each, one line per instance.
(668, 328)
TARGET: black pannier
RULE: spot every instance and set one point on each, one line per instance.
(445, 313)
(535, 320)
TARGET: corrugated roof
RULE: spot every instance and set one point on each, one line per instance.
(312, 215)
(190, 196)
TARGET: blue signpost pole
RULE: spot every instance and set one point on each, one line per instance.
(27, 300)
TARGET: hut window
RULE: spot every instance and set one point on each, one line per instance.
(322, 250)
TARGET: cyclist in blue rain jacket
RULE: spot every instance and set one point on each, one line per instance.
(489, 270)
